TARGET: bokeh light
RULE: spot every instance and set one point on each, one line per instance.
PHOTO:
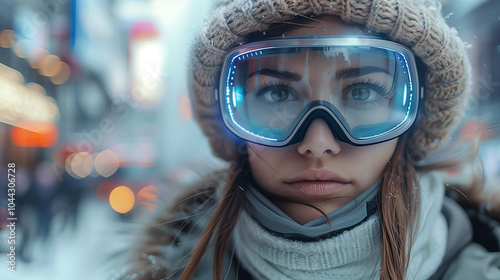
(67, 165)
(148, 198)
(63, 75)
(122, 199)
(185, 107)
(20, 48)
(35, 135)
(6, 38)
(10, 75)
(82, 164)
(36, 57)
(49, 65)
(146, 62)
(475, 129)
(94, 173)
(106, 163)
(35, 88)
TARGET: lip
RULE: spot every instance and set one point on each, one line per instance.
(317, 182)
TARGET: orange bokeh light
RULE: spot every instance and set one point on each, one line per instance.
(6, 38)
(63, 75)
(122, 199)
(148, 198)
(185, 107)
(49, 65)
(41, 135)
(37, 56)
(20, 48)
(475, 129)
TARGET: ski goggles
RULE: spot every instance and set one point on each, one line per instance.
(366, 89)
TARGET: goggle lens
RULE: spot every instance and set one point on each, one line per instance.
(268, 92)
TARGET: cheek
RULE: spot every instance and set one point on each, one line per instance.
(265, 163)
(370, 161)
(385, 150)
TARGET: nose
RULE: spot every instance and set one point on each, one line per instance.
(319, 140)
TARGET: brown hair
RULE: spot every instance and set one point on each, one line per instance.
(223, 221)
(398, 212)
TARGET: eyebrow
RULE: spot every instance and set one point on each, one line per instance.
(285, 75)
(342, 74)
(359, 71)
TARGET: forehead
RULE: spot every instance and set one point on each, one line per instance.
(330, 59)
(326, 25)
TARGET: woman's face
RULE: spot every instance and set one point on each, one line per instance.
(319, 169)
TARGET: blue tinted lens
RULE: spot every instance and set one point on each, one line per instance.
(372, 92)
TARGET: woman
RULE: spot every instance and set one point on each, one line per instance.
(314, 103)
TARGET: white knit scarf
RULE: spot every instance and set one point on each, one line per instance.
(353, 254)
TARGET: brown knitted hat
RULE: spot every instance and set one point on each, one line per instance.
(417, 24)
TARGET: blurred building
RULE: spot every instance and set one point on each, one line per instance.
(93, 105)
(478, 23)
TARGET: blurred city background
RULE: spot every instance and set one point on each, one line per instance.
(94, 112)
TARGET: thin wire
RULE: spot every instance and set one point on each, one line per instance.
(300, 24)
(448, 185)
(263, 160)
(300, 15)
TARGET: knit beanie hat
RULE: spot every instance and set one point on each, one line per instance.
(418, 24)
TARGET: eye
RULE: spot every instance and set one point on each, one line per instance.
(365, 91)
(361, 94)
(279, 94)
(276, 93)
